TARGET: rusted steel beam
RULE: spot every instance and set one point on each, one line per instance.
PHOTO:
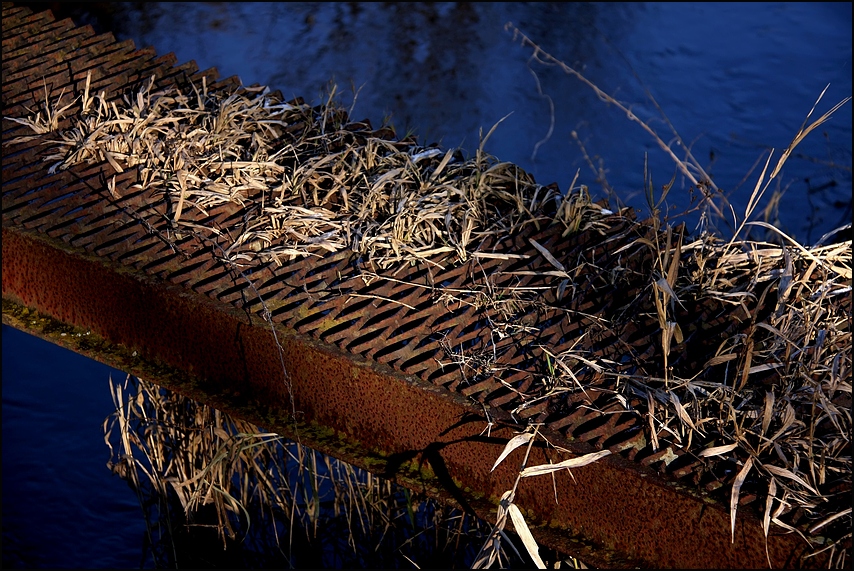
(353, 368)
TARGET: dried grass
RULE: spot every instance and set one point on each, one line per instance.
(313, 182)
(776, 397)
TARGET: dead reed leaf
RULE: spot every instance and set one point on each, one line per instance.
(717, 450)
(804, 131)
(513, 444)
(834, 517)
(736, 488)
(766, 519)
(767, 411)
(578, 462)
(680, 410)
(548, 255)
(784, 473)
(525, 535)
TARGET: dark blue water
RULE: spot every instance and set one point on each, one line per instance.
(735, 80)
(62, 507)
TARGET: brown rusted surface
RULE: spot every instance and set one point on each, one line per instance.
(367, 360)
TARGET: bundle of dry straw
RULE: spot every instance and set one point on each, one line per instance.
(313, 182)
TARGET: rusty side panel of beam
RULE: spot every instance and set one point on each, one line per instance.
(362, 359)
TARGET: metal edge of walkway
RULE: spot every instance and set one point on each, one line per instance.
(614, 513)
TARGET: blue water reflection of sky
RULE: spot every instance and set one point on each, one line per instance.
(62, 507)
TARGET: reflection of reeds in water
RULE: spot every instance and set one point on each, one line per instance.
(202, 474)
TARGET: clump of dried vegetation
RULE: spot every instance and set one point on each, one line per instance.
(773, 401)
(775, 398)
(317, 183)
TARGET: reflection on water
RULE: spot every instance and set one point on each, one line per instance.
(734, 81)
(62, 506)
(220, 491)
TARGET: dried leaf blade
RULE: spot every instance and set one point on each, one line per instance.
(513, 444)
(736, 488)
(717, 450)
(525, 535)
(566, 464)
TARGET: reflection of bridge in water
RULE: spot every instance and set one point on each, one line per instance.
(396, 368)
